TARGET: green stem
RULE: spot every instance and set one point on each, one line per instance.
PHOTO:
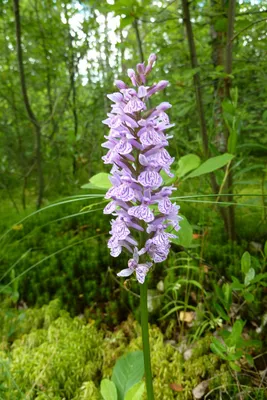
(145, 337)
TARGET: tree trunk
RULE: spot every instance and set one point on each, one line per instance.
(139, 41)
(30, 113)
(227, 85)
(199, 99)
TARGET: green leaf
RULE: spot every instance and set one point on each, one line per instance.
(218, 348)
(136, 392)
(228, 107)
(235, 335)
(234, 366)
(249, 276)
(221, 25)
(108, 390)
(259, 278)
(99, 181)
(186, 164)
(185, 234)
(245, 262)
(126, 21)
(128, 371)
(191, 282)
(232, 141)
(221, 312)
(211, 165)
(250, 359)
(236, 284)
(249, 297)
(265, 249)
(227, 292)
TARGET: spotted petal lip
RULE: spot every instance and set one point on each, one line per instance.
(150, 179)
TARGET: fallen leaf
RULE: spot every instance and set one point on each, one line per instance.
(176, 387)
(187, 316)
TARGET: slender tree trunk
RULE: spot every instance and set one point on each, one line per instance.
(72, 69)
(227, 85)
(48, 71)
(138, 38)
(30, 113)
(217, 43)
(199, 98)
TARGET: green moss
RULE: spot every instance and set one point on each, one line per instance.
(58, 359)
(66, 358)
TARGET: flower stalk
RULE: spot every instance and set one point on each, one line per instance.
(145, 340)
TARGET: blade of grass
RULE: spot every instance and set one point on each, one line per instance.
(48, 257)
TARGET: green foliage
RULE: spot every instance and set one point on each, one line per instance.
(98, 181)
(128, 371)
(234, 347)
(211, 165)
(108, 390)
(136, 392)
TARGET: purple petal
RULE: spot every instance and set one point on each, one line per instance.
(141, 212)
(134, 105)
(150, 179)
(152, 137)
(110, 207)
(142, 91)
(124, 192)
(165, 206)
(125, 272)
(119, 229)
(123, 147)
(116, 97)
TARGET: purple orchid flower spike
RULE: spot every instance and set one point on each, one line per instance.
(137, 152)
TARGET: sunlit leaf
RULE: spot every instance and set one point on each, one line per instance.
(212, 164)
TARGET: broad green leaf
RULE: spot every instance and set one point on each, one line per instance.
(245, 262)
(219, 345)
(186, 164)
(234, 366)
(136, 392)
(235, 335)
(185, 234)
(99, 181)
(265, 249)
(249, 276)
(108, 390)
(259, 278)
(249, 297)
(218, 350)
(236, 284)
(211, 165)
(128, 371)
